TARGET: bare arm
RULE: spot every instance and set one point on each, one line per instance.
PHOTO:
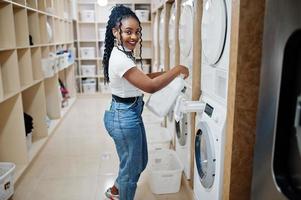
(154, 74)
(146, 84)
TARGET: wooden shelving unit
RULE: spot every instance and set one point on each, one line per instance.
(24, 87)
(88, 34)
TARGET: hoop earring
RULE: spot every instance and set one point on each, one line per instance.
(116, 42)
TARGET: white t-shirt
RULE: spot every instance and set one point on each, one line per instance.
(119, 64)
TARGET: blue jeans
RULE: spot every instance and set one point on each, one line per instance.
(124, 124)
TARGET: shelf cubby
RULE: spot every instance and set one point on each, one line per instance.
(43, 29)
(12, 135)
(45, 52)
(87, 32)
(34, 104)
(21, 27)
(25, 67)
(32, 3)
(41, 5)
(22, 2)
(34, 28)
(36, 57)
(7, 30)
(52, 94)
(70, 80)
(51, 24)
(56, 31)
(9, 72)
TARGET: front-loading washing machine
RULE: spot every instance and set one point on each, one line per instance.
(209, 145)
(183, 127)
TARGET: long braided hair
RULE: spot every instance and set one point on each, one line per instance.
(118, 13)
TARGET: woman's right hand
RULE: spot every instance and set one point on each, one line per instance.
(183, 70)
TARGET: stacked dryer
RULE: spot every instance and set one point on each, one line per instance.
(183, 127)
(210, 135)
(172, 48)
(161, 40)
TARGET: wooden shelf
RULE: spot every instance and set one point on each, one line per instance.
(7, 30)
(21, 27)
(22, 84)
(25, 67)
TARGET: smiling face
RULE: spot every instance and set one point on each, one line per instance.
(130, 33)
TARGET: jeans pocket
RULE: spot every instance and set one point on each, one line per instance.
(109, 120)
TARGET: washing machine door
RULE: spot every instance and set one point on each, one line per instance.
(186, 28)
(182, 130)
(205, 155)
(214, 30)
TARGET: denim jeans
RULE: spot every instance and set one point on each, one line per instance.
(124, 124)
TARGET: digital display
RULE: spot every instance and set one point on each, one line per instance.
(208, 110)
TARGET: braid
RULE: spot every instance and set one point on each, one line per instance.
(118, 13)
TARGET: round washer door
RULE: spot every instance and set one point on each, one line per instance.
(214, 30)
(186, 28)
(181, 130)
(205, 155)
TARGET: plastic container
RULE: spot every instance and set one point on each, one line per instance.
(102, 34)
(162, 101)
(165, 171)
(89, 86)
(6, 180)
(158, 137)
(87, 52)
(88, 70)
(142, 15)
(87, 16)
(48, 65)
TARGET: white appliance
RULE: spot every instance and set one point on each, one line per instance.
(183, 127)
(172, 44)
(161, 39)
(209, 156)
(155, 43)
(216, 25)
(209, 140)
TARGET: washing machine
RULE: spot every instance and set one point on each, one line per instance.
(209, 140)
(277, 151)
(209, 144)
(183, 127)
(161, 40)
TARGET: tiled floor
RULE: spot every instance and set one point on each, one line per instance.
(79, 162)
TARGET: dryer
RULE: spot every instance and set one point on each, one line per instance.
(209, 144)
(172, 46)
(183, 127)
(216, 25)
(161, 40)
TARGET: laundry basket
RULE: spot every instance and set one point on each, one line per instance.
(6, 180)
(165, 171)
(157, 137)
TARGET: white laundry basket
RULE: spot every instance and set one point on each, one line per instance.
(6, 180)
(157, 137)
(165, 171)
